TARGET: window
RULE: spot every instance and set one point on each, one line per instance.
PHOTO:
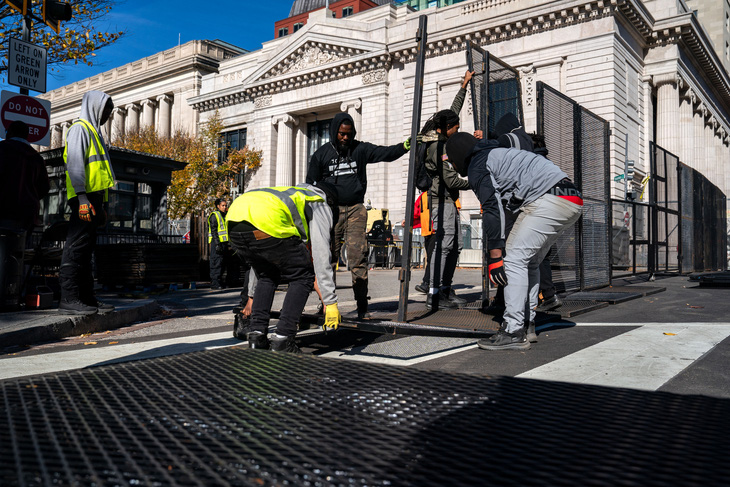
(346, 12)
(283, 31)
(234, 140)
(632, 86)
(297, 26)
(433, 3)
(318, 134)
(130, 207)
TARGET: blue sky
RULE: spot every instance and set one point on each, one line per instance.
(154, 25)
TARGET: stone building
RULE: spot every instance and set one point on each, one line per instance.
(649, 68)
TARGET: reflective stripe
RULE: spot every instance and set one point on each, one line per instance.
(222, 228)
(285, 197)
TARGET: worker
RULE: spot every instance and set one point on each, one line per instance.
(342, 163)
(525, 183)
(89, 175)
(284, 233)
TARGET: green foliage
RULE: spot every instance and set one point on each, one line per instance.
(77, 41)
(204, 179)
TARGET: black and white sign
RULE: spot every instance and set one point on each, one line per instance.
(36, 113)
(27, 65)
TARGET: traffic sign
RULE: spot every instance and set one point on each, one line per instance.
(36, 113)
(618, 178)
(27, 65)
(19, 5)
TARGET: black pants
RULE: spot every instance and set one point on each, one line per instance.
(216, 265)
(276, 261)
(76, 277)
(428, 243)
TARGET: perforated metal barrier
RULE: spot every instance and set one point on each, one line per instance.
(496, 89)
(578, 142)
(245, 417)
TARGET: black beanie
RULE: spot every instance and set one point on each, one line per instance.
(511, 134)
(459, 148)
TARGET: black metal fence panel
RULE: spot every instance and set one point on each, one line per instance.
(495, 90)
(703, 223)
(577, 141)
(630, 239)
(665, 197)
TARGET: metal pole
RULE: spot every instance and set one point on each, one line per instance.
(405, 268)
(26, 37)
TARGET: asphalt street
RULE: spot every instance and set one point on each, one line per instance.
(674, 341)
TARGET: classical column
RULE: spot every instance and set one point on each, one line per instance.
(352, 108)
(148, 113)
(118, 120)
(106, 130)
(284, 149)
(720, 158)
(667, 118)
(64, 131)
(56, 136)
(648, 117)
(164, 102)
(686, 129)
(709, 142)
(133, 110)
(698, 124)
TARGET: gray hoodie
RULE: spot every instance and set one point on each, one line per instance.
(78, 140)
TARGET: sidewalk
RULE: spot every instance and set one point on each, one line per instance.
(682, 301)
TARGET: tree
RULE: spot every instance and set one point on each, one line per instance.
(194, 189)
(78, 40)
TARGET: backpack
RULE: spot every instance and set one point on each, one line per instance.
(422, 179)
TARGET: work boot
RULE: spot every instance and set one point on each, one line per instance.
(258, 339)
(103, 308)
(284, 344)
(448, 291)
(362, 310)
(549, 304)
(530, 333)
(439, 301)
(76, 307)
(422, 288)
(506, 341)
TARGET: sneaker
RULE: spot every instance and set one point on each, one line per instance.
(422, 288)
(104, 308)
(505, 341)
(285, 344)
(530, 333)
(449, 291)
(76, 307)
(258, 339)
(439, 301)
(550, 303)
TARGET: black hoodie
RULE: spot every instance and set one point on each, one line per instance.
(346, 170)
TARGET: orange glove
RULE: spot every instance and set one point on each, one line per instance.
(86, 209)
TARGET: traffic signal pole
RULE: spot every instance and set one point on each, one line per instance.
(27, 25)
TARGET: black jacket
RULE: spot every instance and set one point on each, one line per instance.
(346, 170)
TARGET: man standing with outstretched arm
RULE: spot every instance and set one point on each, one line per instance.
(342, 163)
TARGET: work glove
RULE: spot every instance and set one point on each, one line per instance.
(495, 267)
(332, 317)
(86, 209)
(407, 144)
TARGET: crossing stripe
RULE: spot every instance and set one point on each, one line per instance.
(644, 358)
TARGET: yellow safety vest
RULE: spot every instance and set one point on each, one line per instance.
(222, 228)
(278, 211)
(98, 165)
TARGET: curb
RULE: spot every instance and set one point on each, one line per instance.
(67, 326)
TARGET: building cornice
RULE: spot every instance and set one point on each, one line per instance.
(683, 28)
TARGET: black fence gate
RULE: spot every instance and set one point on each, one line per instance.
(578, 142)
(495, 90)
(664, 197)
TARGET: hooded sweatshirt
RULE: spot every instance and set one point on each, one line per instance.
(78, 139)
(498, 175)
(345, 169)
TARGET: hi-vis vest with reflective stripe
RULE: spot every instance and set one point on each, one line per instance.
(222, 227)
(98, 165)
(279, 211)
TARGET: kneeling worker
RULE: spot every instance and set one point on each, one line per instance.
(271, 227)
(547, 201)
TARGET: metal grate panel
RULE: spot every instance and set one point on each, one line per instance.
(236, 416)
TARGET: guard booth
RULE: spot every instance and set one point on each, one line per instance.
(134, 247)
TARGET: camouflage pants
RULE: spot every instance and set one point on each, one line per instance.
(350, 230)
